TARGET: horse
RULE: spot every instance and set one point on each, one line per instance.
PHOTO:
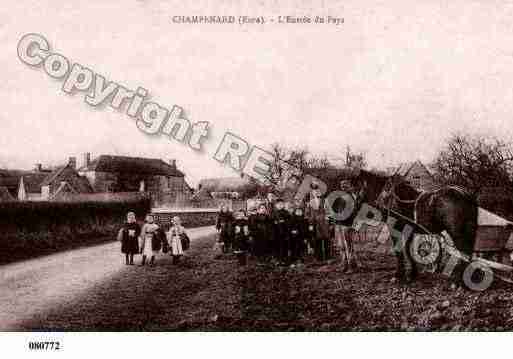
(447, 208)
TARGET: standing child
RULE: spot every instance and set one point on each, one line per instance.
(150, 240)
(281, 218)
(175, 236)
(241, 236)
(260, 230)
(128, 235)
(224, 227)
(298, 235)
(252, 213)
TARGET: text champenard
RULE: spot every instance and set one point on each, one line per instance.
(258, 20)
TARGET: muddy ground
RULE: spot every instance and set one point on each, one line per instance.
(209, 293)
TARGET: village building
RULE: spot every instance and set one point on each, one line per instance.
(225, 187)
(163, 181)
(203, 199)
(42, 184)
(10, 182)
(417, 174)
(64, 181)
(119, 175)
(231, 191)
(5, 196)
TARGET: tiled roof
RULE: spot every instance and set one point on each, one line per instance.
(53, 175)
(64, 188)
(223, 184)
(82, 184)
(32, 180)
(404, 168)
(139, 165)
(5, 196)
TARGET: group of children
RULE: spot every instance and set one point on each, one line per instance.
(274, 232)
(150, 239)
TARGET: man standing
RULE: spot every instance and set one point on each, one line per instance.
(345, 233)
(318, 224)
(270, 201)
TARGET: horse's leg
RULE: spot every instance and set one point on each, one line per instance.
(346, 259)
(355, 239)
(345, 252)
(437, 263)
(401, 268)
(350, 253)
(414, 270)
(462, 235)
(400, 273)
(353, 256)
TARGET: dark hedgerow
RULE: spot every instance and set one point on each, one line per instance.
(28, 229)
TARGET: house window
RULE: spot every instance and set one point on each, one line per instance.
(416, 181)
(109, 186)
(45, 192)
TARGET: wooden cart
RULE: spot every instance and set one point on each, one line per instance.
(494, 244)
(493, 237)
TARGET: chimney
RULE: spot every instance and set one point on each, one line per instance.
(38, 167)
(73, 162)
(86, 159)
(172, 162)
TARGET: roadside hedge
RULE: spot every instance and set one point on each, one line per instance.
(190, 219)
(28, 229)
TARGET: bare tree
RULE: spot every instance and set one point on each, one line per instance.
(299, 159)
(355, 160)
(319, 162)
(474, 162)
(279, 169)
(289, 166)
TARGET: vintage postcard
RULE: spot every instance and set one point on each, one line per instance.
(254, 166)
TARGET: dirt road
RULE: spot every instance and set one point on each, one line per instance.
(31, 290)
(92, 289)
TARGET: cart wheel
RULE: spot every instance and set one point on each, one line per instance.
(477, 276)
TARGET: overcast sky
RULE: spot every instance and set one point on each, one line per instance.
(394, 81)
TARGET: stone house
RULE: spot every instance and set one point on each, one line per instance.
(231, 191)
(43, 184)
(119, 175)
(225, 187)
(10, 181)
(417, 174)
(64, 181)
(162, 180)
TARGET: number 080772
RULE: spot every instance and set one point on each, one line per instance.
(44, 346)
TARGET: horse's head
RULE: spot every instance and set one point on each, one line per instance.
(403, 189)
(404, 195)
(346, 185)
(398, 194)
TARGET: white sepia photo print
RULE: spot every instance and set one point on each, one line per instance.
(308, 175)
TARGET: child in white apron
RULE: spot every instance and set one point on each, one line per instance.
(149, 238)
(174, 238)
